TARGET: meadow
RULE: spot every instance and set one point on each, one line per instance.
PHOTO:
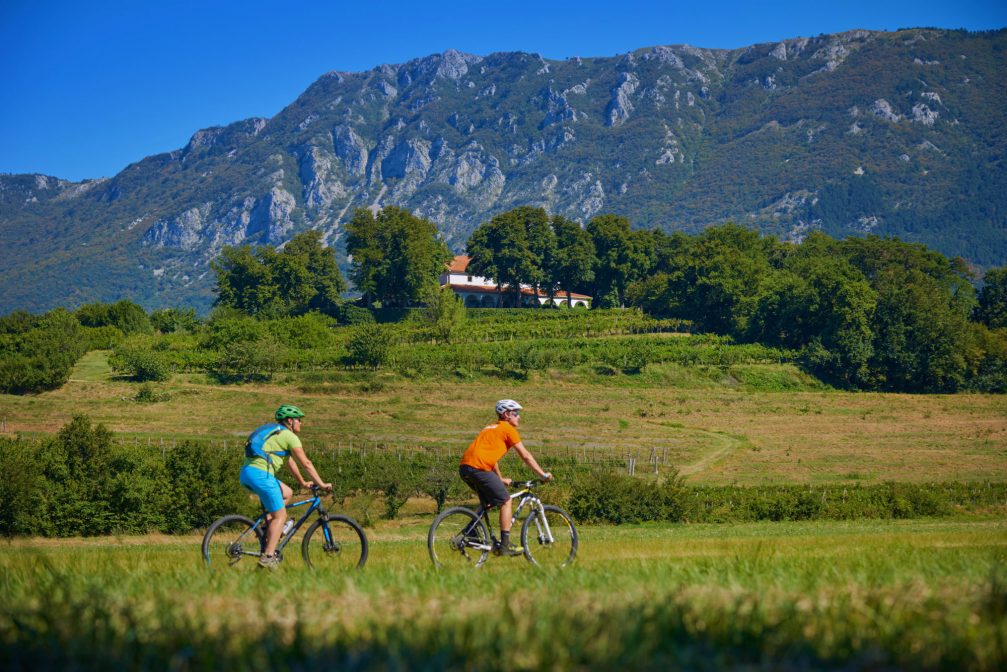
(922, 594)
(747, 424)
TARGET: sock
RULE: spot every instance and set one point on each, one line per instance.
(505, 539)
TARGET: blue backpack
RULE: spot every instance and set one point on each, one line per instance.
(255, 446)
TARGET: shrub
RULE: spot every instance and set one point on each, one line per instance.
(603, 497)
(369, 347)
(148, 395)
(140, 363)
(244, 361)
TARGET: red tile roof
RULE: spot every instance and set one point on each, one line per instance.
(459, 264)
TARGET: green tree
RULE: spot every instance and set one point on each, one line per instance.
(312, 275)
(125, 315)
(820, 303)
(499, 249)
(541, 239)
(622, 256)
(397, 257)
(921, 330)
(172, 320)
(721, 281)
(264, 282)
(921, 333)
(245, 280)
(573, 263)
(446, 313)
(992, 308)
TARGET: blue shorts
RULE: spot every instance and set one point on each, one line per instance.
(265, 485)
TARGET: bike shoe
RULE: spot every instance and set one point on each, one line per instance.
(269, 562)
(509, 550)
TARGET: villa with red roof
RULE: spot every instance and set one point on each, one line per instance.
(480, 292)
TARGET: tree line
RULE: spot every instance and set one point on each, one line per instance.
(863, 313)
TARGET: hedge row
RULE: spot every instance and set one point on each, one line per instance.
(623, 499)
(83, 482)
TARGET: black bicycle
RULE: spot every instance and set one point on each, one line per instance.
(334, 541)
(461, 537)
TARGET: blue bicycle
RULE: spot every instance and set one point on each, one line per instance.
(334, 541)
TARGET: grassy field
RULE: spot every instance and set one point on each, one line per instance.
(917, 594)
(925, 594)
(752, 424)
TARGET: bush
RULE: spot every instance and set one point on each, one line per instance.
(244, 361)
(369, 347)
(606, 498)
(41, 356)
(148, 395)
(140, 363)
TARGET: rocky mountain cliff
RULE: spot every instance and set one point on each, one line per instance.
(861, 132)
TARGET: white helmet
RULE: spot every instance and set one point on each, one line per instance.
(505, 405)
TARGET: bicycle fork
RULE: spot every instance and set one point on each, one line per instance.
(544, 535)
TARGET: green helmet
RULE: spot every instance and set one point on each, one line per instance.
(288, 411)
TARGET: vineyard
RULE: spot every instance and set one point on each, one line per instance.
(491, 342)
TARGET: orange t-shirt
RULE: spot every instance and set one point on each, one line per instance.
(490, 445)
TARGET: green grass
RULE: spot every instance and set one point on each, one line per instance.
(912, 594)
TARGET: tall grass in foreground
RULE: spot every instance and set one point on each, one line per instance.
(920, 594)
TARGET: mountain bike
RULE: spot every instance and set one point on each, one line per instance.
(461, 537)
(335, 541)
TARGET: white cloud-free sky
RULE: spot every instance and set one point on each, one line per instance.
(89, 87)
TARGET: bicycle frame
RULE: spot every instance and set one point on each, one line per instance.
(526, 498)
(315, 504)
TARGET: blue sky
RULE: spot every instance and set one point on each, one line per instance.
(89, 87)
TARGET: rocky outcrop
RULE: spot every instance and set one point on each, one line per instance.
(270, 220)
(882, 108)
(317, 175)
(924, 115)
(183, 232)
(350, 149)
(621, 106)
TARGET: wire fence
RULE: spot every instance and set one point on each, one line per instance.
(634, 459)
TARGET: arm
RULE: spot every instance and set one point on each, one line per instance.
(496, 470)
(292, 466)
(527, 458)
(309, 467)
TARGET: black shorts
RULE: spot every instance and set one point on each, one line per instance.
(489, 487)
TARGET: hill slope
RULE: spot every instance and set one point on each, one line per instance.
(888, 133)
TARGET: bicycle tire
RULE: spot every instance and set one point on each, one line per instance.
(562, 551)
(227, 542)
(342, 544)
(444, 539)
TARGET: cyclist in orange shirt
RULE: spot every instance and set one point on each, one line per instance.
(480, 467)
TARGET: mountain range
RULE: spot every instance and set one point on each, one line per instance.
(890, 133)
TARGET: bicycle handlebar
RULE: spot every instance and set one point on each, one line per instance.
(317, 490)
(534, 483)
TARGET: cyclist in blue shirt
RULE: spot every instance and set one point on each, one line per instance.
(259, 475)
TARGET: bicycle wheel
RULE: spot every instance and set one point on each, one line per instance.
(458, 538)
(559, 552)
(338, 543)
(233, 541)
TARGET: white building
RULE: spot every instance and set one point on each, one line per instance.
(480, 292)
